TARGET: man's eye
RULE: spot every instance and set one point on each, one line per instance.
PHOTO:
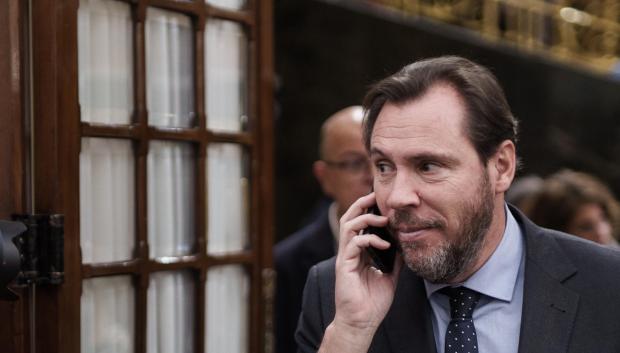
(427, 167)
(383, 167)
(586, 227)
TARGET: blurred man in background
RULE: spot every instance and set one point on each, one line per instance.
(344, 174)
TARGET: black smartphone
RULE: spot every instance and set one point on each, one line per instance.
(383, 259)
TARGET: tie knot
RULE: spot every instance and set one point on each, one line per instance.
(463, 301)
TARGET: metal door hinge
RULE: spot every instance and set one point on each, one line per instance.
(41, 249)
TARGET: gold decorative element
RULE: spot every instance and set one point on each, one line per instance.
(269, 283)
(580, 32)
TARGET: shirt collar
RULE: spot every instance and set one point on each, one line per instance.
(498, 276)
(334, 224)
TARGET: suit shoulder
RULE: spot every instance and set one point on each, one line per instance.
(302, 238)
(602, 262)
(328, 266)
(322, 280)
(324, 273)
(546, 246)
(589, 250)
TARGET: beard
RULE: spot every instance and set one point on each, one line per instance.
(449, 259)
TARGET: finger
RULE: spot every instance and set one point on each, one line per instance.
(358, 207)
(353, 252)
(355, 256)
(366, 220)
(353, 227)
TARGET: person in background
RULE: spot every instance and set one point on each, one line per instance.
(579, 204)
(523, 190)
(344, 175)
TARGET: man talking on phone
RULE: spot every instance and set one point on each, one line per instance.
(472, 273)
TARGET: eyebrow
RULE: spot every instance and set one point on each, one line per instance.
(423, 156)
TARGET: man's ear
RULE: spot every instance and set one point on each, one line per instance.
(503, 166)
(319, 168)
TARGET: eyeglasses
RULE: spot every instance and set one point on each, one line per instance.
(356, 166)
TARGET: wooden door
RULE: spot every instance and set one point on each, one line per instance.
(152, 135)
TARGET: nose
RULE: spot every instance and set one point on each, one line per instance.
(404, 191)
(603, 232)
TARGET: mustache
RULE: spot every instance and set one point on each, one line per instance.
(405, 219)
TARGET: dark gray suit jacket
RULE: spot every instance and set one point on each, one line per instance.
(293, 258)
(571, 301)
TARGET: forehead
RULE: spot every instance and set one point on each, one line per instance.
(434, 121)
(343, 136)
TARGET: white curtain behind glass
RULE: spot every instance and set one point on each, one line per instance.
(230, 4)
(105, 61)
(228, 291)
(171, 307)
(107, 191)
(171, 175)
(107, 315)
(226, 75)
(169, 69)
(228, 198)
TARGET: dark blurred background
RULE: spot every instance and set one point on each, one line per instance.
(328, 53)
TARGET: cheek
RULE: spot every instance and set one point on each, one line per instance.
(589, 235)
(351, 189)
(442, 204)
(381, 195)
(442, 238)
(453, 211)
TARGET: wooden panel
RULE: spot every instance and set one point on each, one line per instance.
(14, 146)
(12, 151)
(142, 173)
(186, 7)
(265, 192)
(246, 17)
(56, 170)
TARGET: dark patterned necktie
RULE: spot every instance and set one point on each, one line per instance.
(461, 333)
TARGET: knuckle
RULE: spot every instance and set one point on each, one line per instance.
(361, 239)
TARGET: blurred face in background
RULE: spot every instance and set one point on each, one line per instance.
(577, 203)
(591, 222)
(343, 170)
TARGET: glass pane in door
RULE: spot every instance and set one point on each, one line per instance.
(169, 69)
(228, 4)
(171, 179)
(227, 316)
(105, 61)
(226, 67)
(170, 317)
(107, 315)
(107, 191)
(228, 201)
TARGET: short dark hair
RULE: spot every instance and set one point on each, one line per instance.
(489, 120)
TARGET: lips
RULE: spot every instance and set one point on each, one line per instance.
(411, 229)
(412, 234)
(407, 226)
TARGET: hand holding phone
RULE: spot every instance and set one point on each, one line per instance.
(358, 284)
(382, 259)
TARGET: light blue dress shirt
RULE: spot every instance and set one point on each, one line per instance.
(497, 316)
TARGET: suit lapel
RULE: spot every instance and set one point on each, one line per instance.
(549, 308)
(320, 245)
(408, 324)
